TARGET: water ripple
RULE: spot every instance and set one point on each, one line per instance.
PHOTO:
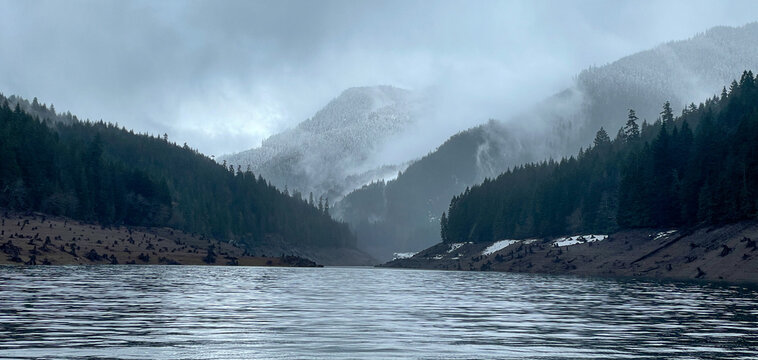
(157, 312)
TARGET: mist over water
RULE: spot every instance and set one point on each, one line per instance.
(164, 312)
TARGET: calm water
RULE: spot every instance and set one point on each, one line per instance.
(145, 312)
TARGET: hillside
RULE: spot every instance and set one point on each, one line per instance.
(679, 203)
(331, 153)
(666, 175)
(715, 253)
(39, 239)
(403, 215)
(98, 173)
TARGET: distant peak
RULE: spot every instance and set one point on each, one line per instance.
(375, 91)
(372, 88)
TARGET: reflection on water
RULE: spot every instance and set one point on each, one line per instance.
(147, 312)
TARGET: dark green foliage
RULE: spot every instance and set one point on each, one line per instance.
(602, 138)
(631, 130)
(669, 178)
(385, 215)
(667, 115)
(98, 172)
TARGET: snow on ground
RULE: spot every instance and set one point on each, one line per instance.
(455, 246)
(529, 241)
(663, 234)
(578, 239)
(403, 255)
(497, 246)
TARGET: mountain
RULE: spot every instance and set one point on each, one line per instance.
(97, 172)
(698, 169)
(678, 199)
(403, 214)
(331, 153)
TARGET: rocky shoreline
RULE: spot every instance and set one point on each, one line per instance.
(725, 253)
(39, 239)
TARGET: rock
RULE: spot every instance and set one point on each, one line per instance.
(13, 251)
(93, 256)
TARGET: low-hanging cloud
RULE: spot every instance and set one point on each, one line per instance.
(223, 75)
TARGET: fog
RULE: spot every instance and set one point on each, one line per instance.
(223, 75)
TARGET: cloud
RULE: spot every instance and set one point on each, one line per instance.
(223, 75)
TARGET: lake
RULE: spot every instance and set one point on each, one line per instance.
(170, 312)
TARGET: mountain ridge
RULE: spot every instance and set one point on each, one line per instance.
(327, 154)
(560, 125)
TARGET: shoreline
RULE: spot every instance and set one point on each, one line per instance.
(714, 254)
(33, 239)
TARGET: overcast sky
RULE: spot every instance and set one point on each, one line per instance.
(223, 75)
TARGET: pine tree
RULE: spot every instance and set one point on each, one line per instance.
(443, 227)
(602, 138)
(631, 129)
(667, 115)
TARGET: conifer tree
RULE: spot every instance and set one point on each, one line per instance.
(601, 138)
(631, 129)
(667, 115)
(443, 227)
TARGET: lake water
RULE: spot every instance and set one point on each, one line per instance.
(164, 312)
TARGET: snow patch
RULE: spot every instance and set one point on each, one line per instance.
(529, 241)
(403, 255)
(455, 246)
(663, 234)
(497, 246)
(578, 239)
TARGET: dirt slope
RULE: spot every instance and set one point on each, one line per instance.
(725, 253)
(37, 239)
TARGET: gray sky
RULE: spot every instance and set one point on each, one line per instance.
(223, 75)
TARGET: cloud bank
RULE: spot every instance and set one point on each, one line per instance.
(223, 75)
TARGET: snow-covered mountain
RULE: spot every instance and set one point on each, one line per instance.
(331, 153)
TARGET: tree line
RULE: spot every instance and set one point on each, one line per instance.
(699, 168)
(96, 171)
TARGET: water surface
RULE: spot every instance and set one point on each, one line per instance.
(169, 312)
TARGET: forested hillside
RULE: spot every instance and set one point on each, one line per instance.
(99, 172)
(406, 217)
(697, 169)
